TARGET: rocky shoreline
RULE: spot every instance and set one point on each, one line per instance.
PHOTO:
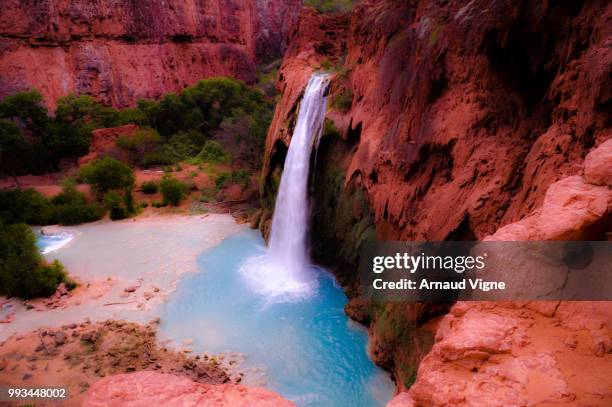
(77, 355)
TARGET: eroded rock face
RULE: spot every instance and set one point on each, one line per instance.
(145, 389)
(460, 121)
(119, 51)
(460, 115)
(598, 165)
(519, 354)
(103, 142)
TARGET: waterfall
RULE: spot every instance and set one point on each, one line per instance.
(289, 226)
(284, 269)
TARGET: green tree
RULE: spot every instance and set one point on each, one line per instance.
(107, 174)
(24, 206)
(13, 147)
(28, 109)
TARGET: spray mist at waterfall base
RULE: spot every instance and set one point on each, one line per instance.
(270, 278)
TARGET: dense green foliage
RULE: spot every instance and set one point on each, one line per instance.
(29, 206)
(107, 174)
(113, 182)
(173, 191)
(113, 201)
(22, 270)
(343, 100)
(149, 187)
(330, 6)
(234, 177)
(71, 208)
(212, 152)
(50, 139)
(175, 128)
(223, 109)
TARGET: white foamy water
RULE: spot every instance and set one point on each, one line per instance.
(283, 272)
(48, 243)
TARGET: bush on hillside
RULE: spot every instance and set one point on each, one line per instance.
(138, 146)
(212, 152)
(235, 177)
(70, 207)
(106, 175)
(173, 191)
(149, 187)
(29, 206)
(330, 6)
(114, 203)
(24, 206)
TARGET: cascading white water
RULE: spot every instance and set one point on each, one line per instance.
(283, 270)
(289, 226)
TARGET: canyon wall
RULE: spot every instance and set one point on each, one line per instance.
(450, 121)
(121, 50)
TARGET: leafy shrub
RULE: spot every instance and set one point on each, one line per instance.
(326, 64)
(22, 270)
(149, 187)
(235, 177)
(266, 78)
(113, 202)
(330, 129)
(212, 152)
(107, 174)
(75, 214)
(128, 201)
(343, 100)
(140, 146)
(172, 190)
(24, 206)
(156, 158)
(208, 195)
(70, 207)
(330, 6)
(29, 206)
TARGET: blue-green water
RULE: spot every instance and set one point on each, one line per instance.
(309, 350)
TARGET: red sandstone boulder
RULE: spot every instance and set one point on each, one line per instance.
(146, 389)
(518, 354)
(598, 165)
(103, 142)
(401, 400)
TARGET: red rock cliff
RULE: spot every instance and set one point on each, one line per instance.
(119, 51)
(455, 119)
(474, 106)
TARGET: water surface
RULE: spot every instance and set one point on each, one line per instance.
(306, 350)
